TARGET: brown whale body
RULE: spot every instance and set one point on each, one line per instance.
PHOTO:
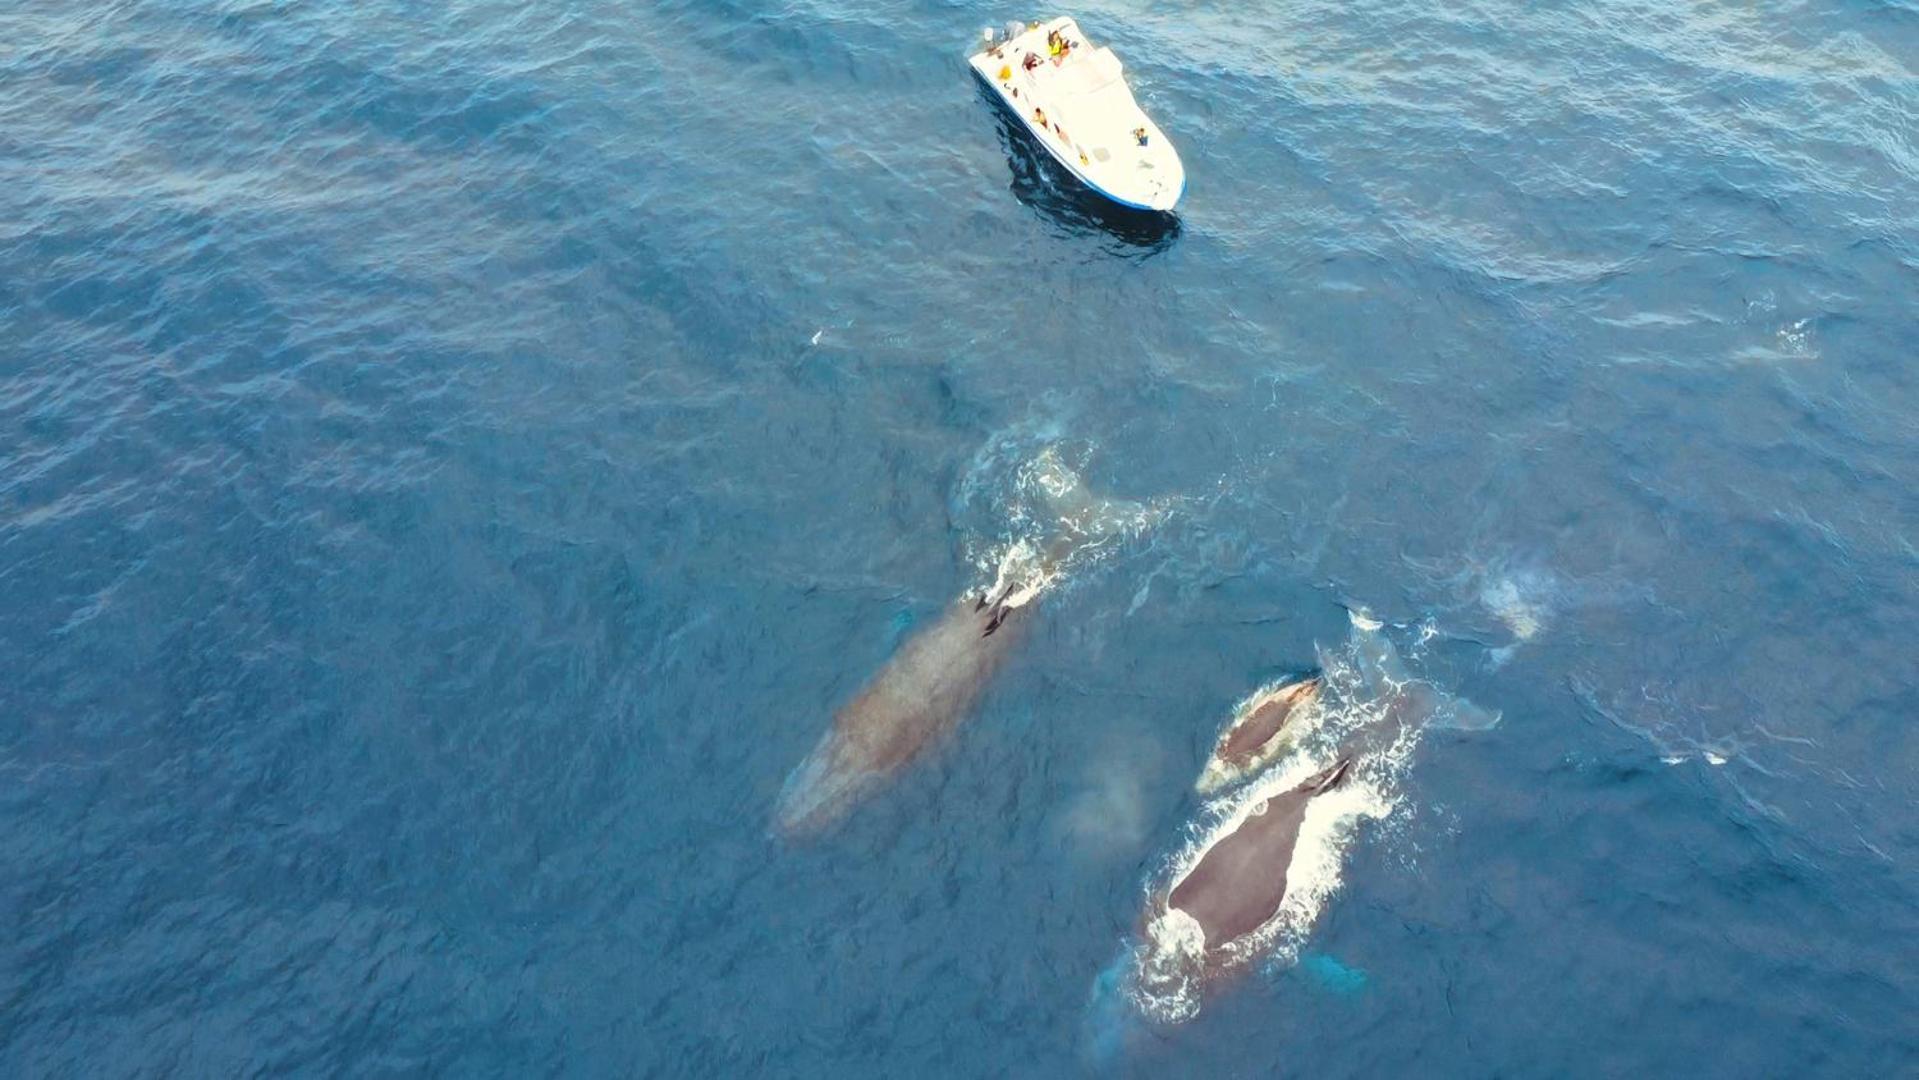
(917, 697)
(1259, 734)
(1239, 882)
(1248, 738)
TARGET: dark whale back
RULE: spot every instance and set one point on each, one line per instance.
(1239, 883)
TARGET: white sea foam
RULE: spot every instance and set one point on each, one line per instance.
(1165, 981)
(1051, 526)
(1521, 593)
(1671, 728)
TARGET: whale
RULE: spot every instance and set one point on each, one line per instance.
(1202, 928)
(1239, 880)
(917, 698)
(932, 683)
(1264, 727)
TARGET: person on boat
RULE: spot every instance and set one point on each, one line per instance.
(1055, 44)
(1039, 117)
(1140, 134)
(1031, 62)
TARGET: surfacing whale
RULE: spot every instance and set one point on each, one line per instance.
(1262, 729)
(1239, 881)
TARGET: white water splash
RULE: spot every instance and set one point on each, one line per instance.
(1524, 596)
(1053, 527)
(1021, 575)
(1164, 984)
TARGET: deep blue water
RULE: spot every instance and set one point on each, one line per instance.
(454, 458)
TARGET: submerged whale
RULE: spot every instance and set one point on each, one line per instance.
(1262, 729)
(934, 680)
(916, 698)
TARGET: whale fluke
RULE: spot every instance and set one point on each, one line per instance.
(1409, 699)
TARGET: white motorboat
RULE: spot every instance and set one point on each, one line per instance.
(1072, 97)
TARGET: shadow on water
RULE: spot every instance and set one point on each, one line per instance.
(1063, 199)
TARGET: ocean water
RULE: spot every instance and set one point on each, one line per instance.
(455, 458)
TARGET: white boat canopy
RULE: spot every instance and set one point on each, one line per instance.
(1073, 98)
